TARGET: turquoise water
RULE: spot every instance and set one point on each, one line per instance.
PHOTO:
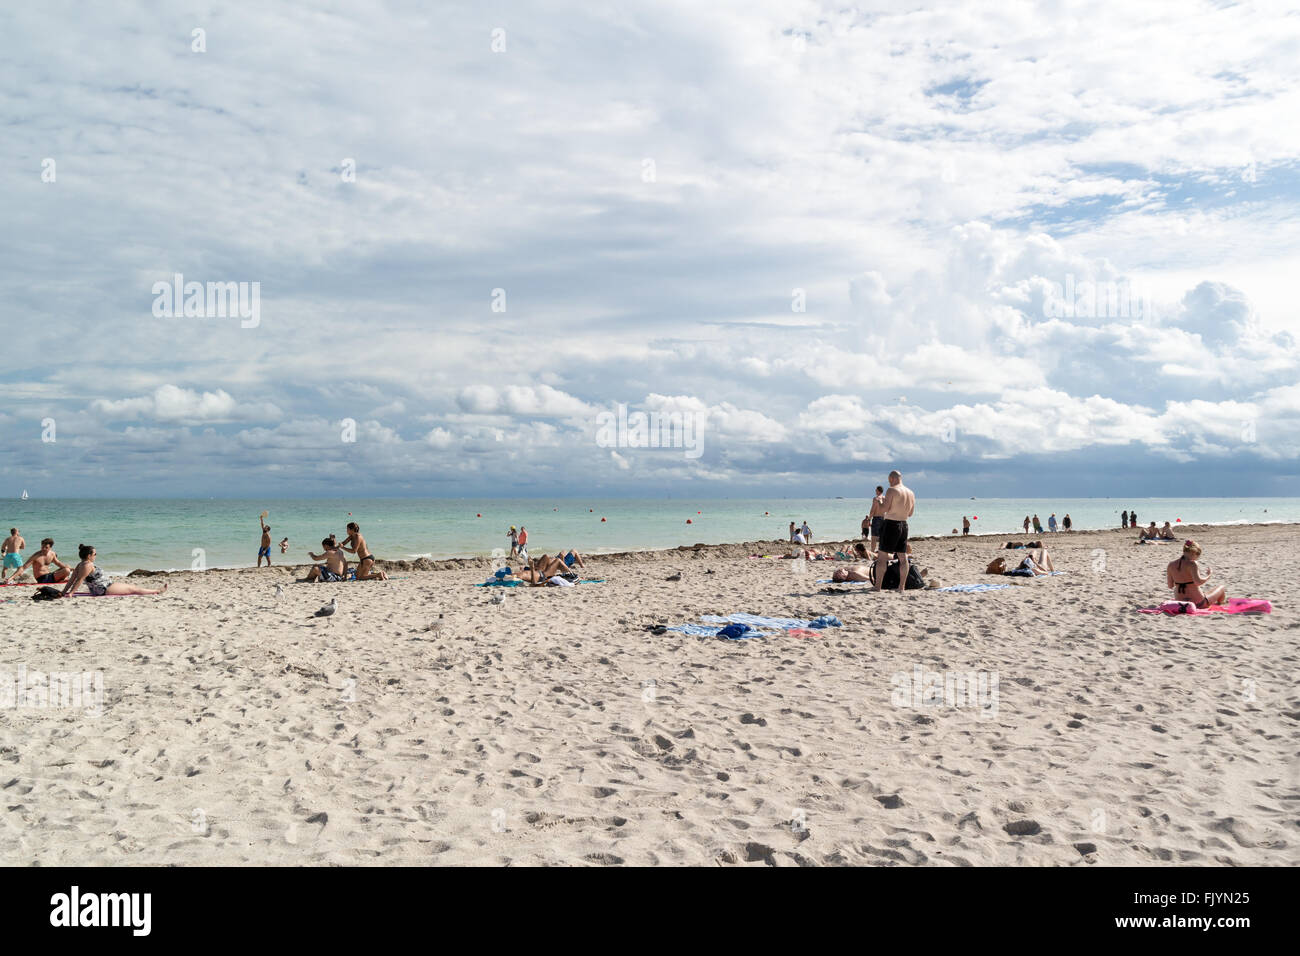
(164, 533)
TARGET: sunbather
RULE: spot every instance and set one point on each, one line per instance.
(97, 582)
(540, 570)
(1186, 576)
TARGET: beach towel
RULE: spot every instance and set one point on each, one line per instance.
(774, 623)
(496, 583)
(701, 630)
(973, 588)
(1234, 606)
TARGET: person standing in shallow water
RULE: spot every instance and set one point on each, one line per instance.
(965, 525)
(1026, 524)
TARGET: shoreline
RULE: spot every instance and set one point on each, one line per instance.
(736, 549)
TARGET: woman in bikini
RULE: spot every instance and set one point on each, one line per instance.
(97, 582)
(1185, 577)
(365, 560)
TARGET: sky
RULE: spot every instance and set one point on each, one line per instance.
(1009, 249)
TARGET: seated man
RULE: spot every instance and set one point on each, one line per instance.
(335, 567)
(1149, 532)
(43, 564)
(1167, 533)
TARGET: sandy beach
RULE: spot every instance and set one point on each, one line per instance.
(427, 724)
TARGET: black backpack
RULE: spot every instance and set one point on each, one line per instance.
(914, 580)
(47, 593)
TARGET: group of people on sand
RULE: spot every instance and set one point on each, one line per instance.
(801, 535)
(45, 568)
(558, 570)
(1152, 533)
(334, 566)
(1066, 524)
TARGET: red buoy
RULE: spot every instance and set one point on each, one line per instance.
(688, 520)
(602, 519)
(478, 516)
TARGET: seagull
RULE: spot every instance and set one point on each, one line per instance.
(674, 577)
(328, 610)
(498, 599)
(279, 592)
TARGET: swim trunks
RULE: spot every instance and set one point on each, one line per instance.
(263, 552)
(47, 578)
(893, 536)
(876, 522)
(327, 575)
(13, 559)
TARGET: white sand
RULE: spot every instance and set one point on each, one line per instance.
(530, 732)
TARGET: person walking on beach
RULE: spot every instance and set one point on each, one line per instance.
(264, 549)
(1051, 522)
(1026, 524)
(900, 504)
(877, 516)
(965, 525)
(807, 532)
(1038, 525)
(12, 549)
(40, 564)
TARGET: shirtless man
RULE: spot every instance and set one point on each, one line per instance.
(40, 564)
(877, 515)
(264, 549)
(335, 567)
(899, 505)
(12, 549)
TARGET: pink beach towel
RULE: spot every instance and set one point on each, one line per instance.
(1234, 606)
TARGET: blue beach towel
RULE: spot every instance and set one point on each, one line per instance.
(974, 588)
(778, 623)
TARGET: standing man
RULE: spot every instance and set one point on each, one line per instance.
(1132, 518)
(877, 516)
(264, 549)
(12, 549)
(965, 525)
(523, 542)
(1123, 520)
(514, 542)
(898, 507)
(1051, 522)
(866, 528)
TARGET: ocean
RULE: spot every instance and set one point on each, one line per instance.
(177, 534)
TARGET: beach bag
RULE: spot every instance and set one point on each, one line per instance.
(46, 593)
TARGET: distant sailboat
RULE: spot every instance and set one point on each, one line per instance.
(24, 498)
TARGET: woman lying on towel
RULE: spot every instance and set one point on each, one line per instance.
(1034, 564)
(541, 570)
(1185, 577)
(97, 582)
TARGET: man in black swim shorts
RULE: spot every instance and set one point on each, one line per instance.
(900, 503)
